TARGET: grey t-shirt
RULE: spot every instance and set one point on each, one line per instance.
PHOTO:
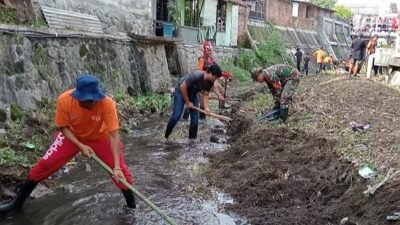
(195, 83)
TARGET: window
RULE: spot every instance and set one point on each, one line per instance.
(221, 16)
(295, 9)
(257, 9)
(308, 12)
(191, 18)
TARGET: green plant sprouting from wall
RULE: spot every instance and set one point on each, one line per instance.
(8, 15)
(271, 50)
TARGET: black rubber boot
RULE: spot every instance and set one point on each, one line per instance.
(169, 129)
(277, 105)
(130, 198)
(284, 114)
(16, 204)
(193, 131)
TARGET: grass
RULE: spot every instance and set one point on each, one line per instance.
(9, 157)
(153, 102)
(261, 101)
(8, 15)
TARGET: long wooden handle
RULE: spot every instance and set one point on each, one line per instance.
(225, 118)
(136, 192)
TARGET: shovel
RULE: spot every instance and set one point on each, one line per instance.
(269, 116)
(136, 192)
(224, 118)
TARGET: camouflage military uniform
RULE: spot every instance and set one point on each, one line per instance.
(282, 81)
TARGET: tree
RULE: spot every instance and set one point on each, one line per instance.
(343, 12)
(329, 4)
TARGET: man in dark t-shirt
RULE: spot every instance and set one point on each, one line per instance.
(358, 47)
(186, 95)
(306, 60)
(299, 57)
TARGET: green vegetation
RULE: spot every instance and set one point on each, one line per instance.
(38, 23)
(343, 12)
(175, 12)
(8, 15)
(260, 100)
(241, 74)
(82, 50)
(329, 4)
(153, 102)
(16, 112)
(38, 54)
(9, 157)
(271, 50)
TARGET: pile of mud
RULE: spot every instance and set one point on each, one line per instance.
(281, 175)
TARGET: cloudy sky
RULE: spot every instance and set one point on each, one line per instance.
(366, 2)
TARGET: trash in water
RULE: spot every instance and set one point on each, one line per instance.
(359, 126)
(367, 172)
(88, 169)
(395, 216)
(30, 146)
(64, 169)
(68, 188)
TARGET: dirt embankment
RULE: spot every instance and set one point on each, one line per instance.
(306, 172)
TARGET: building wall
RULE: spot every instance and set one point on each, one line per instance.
(209, 12)
(115, 16)
(224, 38)
(279, 12)
(304, 20)
(243, 20)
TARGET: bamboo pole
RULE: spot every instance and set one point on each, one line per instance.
(136, 192)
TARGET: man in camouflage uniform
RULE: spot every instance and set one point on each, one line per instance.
(282, 81)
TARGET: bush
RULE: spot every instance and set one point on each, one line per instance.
(271, 50)
(241, 74)
(8, 157)
(247, 60)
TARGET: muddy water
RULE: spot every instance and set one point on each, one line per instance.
(168, 173)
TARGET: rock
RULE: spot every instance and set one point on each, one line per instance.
(214, 139)
(2, 132)
(3, 116)
(218, 130)
(7, 193)
(40, 191)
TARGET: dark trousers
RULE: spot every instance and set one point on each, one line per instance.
(177, 109)
(298, 65)
(319, 67)
(376, 69)
(305, 69)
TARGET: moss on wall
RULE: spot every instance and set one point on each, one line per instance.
(16, 111)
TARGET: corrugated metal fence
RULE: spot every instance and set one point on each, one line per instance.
(63, 19)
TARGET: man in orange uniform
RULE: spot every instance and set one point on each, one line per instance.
(328, 62)
(87, 120)
(319, 55)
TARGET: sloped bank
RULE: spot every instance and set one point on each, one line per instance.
(297, 174)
